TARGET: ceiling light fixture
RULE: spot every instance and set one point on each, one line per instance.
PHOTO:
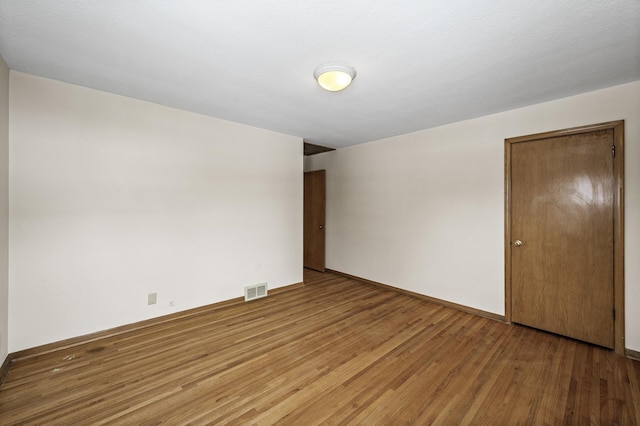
(334, 76)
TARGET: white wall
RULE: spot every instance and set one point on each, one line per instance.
(4, 209)
(425, 211)
(112, 198)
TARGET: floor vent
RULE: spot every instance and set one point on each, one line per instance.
(257, 291)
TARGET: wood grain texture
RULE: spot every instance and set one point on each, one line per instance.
(335, 351)
(69, 344)
(562, 209)
(435, 300)
(564, 225)
(4, 369)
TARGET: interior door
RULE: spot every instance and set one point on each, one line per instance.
(314, 211)
(562, 195)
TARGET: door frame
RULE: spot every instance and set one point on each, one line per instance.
(618, 219)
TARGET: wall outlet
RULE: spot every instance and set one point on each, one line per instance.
(152, 298)
(172, 303)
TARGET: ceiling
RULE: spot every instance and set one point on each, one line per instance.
(420, 63)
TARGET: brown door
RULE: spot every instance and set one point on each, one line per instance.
(562, 235)
(314, 194)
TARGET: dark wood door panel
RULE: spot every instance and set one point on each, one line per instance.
(314, 216)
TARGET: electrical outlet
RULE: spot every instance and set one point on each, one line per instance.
(172, 303)
(152, 298)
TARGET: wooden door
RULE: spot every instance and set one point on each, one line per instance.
(562, 207)
(314, 210)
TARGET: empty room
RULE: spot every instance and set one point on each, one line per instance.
(306, 213)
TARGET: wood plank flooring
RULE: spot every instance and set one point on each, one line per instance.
(334, 352)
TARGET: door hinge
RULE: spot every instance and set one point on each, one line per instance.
(613, 151)
(614, 314)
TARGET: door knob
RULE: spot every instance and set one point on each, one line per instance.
(321, 226)
(517, 243)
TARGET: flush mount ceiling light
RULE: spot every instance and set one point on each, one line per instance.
(334, 76)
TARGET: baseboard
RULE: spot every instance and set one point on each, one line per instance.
(99, 335)
(631, 354)
(463, 308)
(5, 368)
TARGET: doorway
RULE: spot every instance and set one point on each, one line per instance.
(314, 216)
(564, 233)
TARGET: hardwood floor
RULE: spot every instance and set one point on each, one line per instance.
(334, 352)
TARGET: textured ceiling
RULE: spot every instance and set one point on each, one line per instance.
(420, 63)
